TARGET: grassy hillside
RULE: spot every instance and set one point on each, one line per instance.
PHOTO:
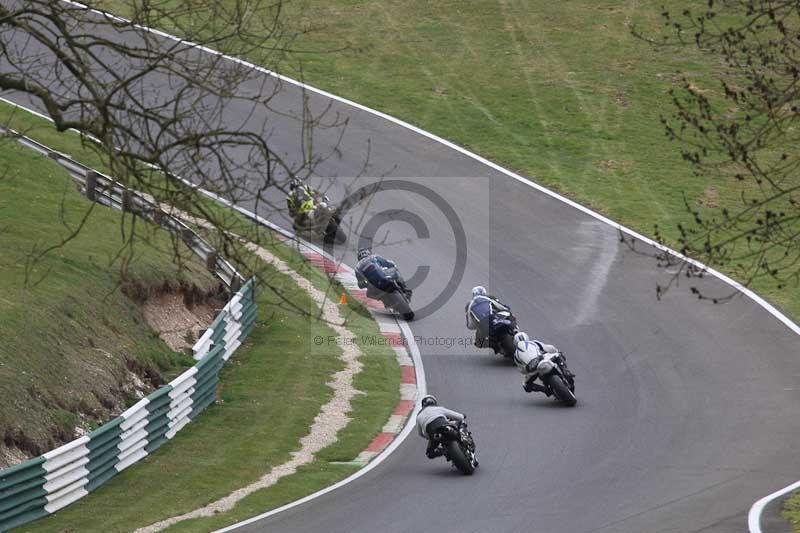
(74, 347)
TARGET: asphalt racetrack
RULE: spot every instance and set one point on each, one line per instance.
(687, 411)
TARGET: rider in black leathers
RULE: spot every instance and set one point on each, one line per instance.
(378, 274)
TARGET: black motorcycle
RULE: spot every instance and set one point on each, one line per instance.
(500, 334)
(458, 446)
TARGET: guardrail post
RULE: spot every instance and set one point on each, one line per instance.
(91, 184)
(187, 236)
(127, 201)
(211, 261)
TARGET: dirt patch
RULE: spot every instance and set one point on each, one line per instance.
(51, 417)
(178, 312)
(710, 197)
(11, 455)
(102, 371)
(621, 98)
(608, 165)
(177, 324)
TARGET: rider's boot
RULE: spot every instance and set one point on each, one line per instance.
(434, 452)
(530, 386)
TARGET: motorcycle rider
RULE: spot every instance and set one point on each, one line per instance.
(481, 311)
(431, 417)
(378, 274)
(528, 355)
(301, 201)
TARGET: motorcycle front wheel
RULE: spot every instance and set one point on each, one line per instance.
(561, 390)
(399, 303)
(459, 458)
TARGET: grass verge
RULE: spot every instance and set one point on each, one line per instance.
(791, 511)
(379, 380)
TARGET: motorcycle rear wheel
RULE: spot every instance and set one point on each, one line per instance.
(334, 233)
(459, 458)
(507, 346)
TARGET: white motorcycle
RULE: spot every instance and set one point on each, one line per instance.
(558, 381)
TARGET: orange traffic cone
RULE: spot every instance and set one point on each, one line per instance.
(343, 298)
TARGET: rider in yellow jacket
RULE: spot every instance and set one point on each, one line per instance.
(301, 201)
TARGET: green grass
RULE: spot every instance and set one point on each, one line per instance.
(67, 329)
(791, 511)
(559, 91)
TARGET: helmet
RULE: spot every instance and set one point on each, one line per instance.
(521, 337)
(364, 252)
(478, 291)
(428, 401)
(295, 183)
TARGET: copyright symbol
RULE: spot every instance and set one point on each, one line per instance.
(318, 340)
(412, 192)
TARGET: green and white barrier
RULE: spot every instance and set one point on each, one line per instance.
(47, 483)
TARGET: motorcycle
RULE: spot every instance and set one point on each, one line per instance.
(324, 221)
(396, 296)
(558, 381)
(458, 446)
(501, 334)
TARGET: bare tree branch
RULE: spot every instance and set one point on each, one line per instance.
(743, 132)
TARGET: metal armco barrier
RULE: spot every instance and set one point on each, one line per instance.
(45, 484)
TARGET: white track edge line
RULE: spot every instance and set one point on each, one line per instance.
(754, 516)
(735, 284)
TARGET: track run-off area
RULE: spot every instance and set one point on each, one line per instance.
(687, 410)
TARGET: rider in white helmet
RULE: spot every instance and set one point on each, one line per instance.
(480, 313)
(528, 355)
(431, 417)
